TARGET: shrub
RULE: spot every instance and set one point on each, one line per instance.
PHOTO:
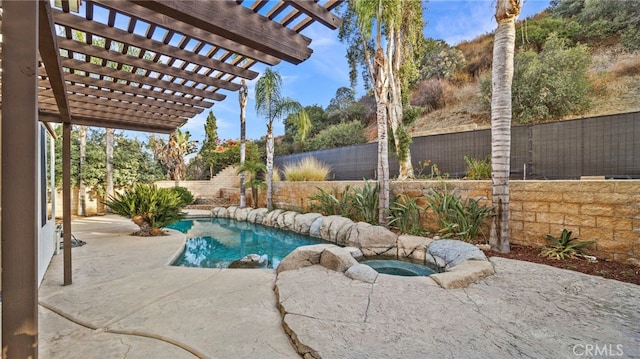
(405, 215)
(548, 85)
(563, 247)
(364, 203)
(185, 195)
(332, 203)
(431, 94)
(478, 169)
(359, 204)
(307, 169)
(457, 218)
(149, 207)
(343, 134)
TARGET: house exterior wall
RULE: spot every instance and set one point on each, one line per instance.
(46, 218)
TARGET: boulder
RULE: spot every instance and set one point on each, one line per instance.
(356, 253)
(454, 252)
(339, 229)
(362, 272)
(316, 225)
(302, 222)
(302, 257)
(413, 247)
(337, 259)
(257, 215)
(271, 218)
(251, 261)
(463, 274)
(286, 220)
(232, 211)
(326, 227)
(242, 214)
(220, 212)
(372, 240)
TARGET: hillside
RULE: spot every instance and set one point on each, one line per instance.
(614, 74)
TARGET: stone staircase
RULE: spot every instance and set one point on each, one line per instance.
(225, 179)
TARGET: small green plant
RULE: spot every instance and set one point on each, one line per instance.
(252, 170)
(364, 203)
(185, 195)
(457, 218)
(429, 170)
(405, 215)
(331, 203)
(563, 247)
(149, 207)
(307, 169)
(478, 169)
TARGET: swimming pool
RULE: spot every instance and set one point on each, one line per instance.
(218, 242)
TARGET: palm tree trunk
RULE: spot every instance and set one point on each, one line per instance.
(502, 76)
(382, 102)
(242, 97)
(270, 152)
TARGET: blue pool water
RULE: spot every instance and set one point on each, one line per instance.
(217, 242)
(397, 267)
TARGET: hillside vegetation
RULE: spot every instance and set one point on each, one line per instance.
(601, 36)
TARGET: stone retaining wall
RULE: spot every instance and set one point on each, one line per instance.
(607, 212)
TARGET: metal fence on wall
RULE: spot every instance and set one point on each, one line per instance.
(598, 146)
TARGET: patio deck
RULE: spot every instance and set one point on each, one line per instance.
(126, 302)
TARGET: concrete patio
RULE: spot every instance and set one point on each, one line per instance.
(127, 302)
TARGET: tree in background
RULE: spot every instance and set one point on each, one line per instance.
(109, 133)
(171, 153)
(271, 104)
(253, 169)
(82, 189)
(389, 55)
(507, 12)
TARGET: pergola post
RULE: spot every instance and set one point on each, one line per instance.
(19, 179)
(66, 201)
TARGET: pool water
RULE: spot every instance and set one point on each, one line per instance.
(397, 267)
(217, 242)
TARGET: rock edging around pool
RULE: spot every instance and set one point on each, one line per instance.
(461, 263)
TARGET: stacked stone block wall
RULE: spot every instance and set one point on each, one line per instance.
(607, 211)
(226, 178)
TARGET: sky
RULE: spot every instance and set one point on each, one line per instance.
(315, 81)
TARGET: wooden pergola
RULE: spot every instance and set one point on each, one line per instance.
(146, 65)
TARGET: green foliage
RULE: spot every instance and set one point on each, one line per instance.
(332, 202)
(457, 218)
(344, 134)
(478, 169)
(133, 161)
(171, 153)
(359, 204)
(599, 20)
(405, 215)
(253, 170)
(307, 169)
(563, 247)
(364, 203)
(440, 61)
(548, 85)
(405, 141)
(186, 197)
(149, 207)
(428, 170)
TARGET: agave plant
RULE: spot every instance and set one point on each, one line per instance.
(563, 247)
(149, 207)
(405, 215)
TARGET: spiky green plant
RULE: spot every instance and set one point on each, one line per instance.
(563, 247)
(365, 203)
(457, 218)
(149, 207)
(186, 196)
(332, 202)
(405, 215)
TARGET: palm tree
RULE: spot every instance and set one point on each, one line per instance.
(242, 98)
(251, 169)
(171, 154)
(507, 12)
(271, 104)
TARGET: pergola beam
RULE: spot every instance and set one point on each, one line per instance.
(233, 21)
(189, 30)
(316, 12)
